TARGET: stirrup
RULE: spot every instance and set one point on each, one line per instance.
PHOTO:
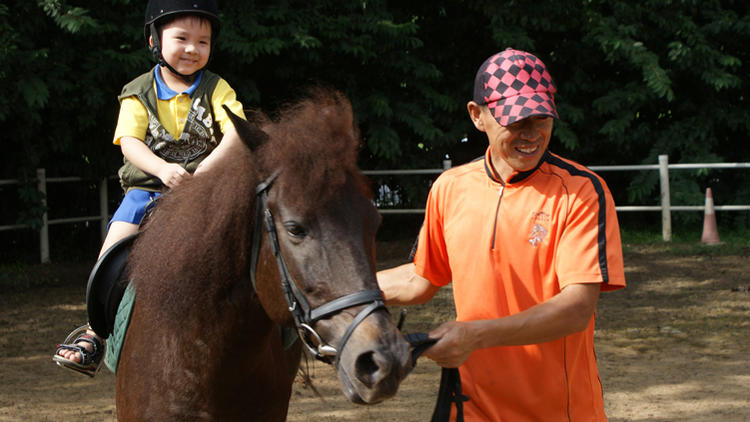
(91, 362)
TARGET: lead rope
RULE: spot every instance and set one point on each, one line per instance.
(450, 380)
(449, 393)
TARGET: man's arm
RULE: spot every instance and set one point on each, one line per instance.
(402, 286)
(566, 313)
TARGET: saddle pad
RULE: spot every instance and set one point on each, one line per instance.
(288, 336)
(122, 320)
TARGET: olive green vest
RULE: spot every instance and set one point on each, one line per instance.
(199, 137)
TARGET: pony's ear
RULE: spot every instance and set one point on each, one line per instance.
(250, 134)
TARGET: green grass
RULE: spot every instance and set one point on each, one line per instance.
(686, 241)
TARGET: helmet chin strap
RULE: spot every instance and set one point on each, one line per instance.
(156, 51)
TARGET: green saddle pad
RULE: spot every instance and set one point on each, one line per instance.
(288, 336)
(122, 320)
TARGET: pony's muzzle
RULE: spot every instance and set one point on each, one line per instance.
(375, 362)
(372, 369)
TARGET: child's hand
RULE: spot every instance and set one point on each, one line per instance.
(172, 174)
(135, 150)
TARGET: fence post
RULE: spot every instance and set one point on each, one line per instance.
(666, 203)
(41, 183)
(447, 162)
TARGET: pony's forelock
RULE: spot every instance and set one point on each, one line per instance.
(317, 142)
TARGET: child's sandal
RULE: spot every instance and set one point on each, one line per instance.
(90, 360)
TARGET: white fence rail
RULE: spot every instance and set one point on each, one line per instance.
(664, 206)
(42, 182)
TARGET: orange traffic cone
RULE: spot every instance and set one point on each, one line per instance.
(710, 234)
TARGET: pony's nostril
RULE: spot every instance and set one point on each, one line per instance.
(366, 369)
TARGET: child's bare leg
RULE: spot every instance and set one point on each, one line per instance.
(117, 230)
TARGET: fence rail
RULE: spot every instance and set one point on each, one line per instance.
(664, 206)
(42, 181)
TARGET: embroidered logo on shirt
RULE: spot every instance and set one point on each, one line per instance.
(538, 233)
(540, 217)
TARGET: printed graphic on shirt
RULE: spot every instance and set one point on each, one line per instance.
(194, 139)
(198, 114)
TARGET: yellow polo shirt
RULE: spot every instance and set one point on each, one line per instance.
(133, 118)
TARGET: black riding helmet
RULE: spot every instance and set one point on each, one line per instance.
(157, 10)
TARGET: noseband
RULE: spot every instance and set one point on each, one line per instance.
(304, 316)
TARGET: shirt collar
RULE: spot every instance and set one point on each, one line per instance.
(517, 176)
(163, 92)
(490, 170)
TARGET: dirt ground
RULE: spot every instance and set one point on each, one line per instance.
(673, 346)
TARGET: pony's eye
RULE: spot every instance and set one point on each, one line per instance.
(295, 230)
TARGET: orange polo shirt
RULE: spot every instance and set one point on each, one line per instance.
(508, 247)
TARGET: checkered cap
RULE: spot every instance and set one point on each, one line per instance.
(515, 85)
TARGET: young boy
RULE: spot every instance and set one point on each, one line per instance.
(170, 126)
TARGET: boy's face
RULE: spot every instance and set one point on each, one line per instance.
(186, 44)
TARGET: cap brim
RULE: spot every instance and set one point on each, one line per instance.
(510, 110)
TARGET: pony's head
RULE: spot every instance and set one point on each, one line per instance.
(321, 214)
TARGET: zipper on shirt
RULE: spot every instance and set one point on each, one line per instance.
(497, 212)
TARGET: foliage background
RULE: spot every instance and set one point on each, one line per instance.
(636, 79)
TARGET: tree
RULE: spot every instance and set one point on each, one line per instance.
(640, 79)
(635, 79)
(270, 50)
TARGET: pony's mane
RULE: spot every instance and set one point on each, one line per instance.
(317, 141)
(197, 232)
(201, 231)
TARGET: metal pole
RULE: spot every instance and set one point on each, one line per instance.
(41, 180)
(103, 211)
(666, 205)
(447, 162)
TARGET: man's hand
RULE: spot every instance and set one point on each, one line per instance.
(402, 286)
(454, 346)
(568, 312)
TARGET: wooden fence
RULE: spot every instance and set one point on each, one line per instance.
(663, 167)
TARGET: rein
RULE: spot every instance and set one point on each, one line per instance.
(303, 314)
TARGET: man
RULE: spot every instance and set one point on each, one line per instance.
(528, 240)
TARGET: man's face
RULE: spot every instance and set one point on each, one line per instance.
(518, 146)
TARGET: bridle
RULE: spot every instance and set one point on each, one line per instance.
(304, 316)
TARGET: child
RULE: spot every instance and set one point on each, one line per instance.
(170, 126)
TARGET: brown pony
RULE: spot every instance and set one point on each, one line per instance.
(203, 343)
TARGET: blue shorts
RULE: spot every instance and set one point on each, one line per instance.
(134, 206)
